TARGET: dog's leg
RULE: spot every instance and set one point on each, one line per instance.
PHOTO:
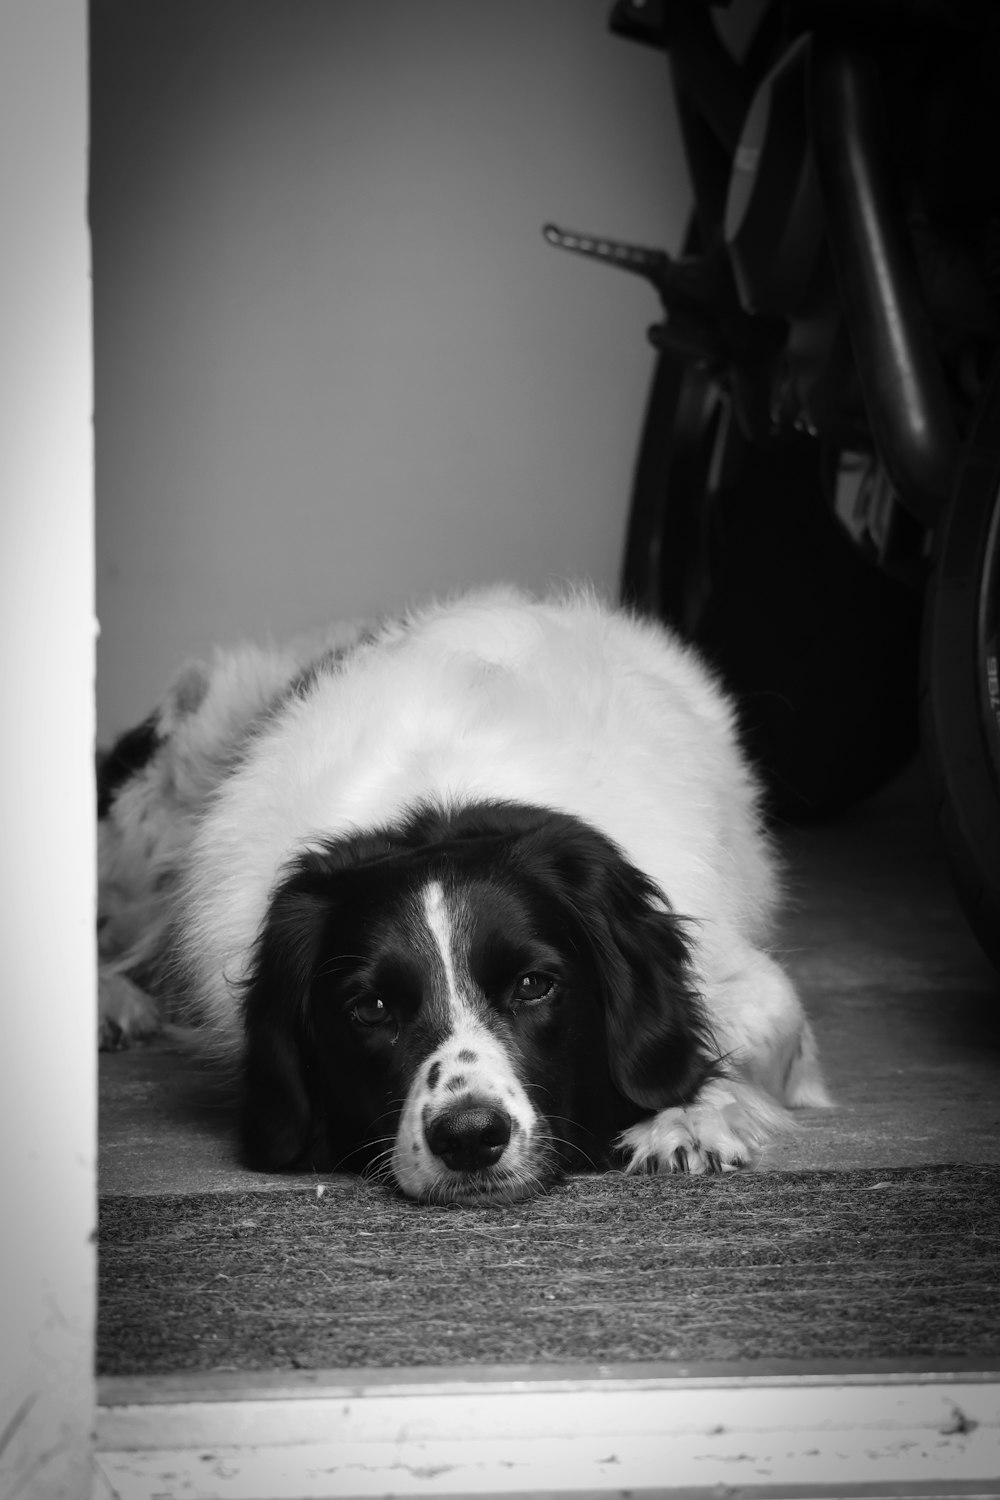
(768, 1063)
(761, 1031)
(124, 1012)
(725, 1127)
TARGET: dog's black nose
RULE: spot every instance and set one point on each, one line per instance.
(469, 1136)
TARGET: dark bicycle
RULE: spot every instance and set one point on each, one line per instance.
(817, 494)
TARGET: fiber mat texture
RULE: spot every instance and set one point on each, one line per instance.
(811, 1265)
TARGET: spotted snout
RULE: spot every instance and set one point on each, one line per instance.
(468, 1129)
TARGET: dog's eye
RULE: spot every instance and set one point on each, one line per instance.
(371, 1010)
(534, 987)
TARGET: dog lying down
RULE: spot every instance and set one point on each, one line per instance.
(469, 899)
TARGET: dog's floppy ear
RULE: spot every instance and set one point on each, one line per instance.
(659, 1049)
(281, 1118)
(659, 1046)
(285, 1101)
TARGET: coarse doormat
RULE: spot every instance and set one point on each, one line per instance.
(852, 1265)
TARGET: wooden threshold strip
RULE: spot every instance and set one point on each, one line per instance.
(643, 1431)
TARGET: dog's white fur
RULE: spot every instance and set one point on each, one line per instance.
(561, 703)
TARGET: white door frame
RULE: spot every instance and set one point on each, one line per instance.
(47, 1055)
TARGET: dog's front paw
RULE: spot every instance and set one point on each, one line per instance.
(682, 1140)
(724, 1128)
(124, 1013)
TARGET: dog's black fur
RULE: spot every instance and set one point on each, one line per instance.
(620, 1034)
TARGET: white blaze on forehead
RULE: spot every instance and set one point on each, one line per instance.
(441, 926)
(470, 1064)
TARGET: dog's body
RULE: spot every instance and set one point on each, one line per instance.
(476, 894)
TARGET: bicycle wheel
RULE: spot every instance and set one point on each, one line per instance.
(737, 547)
(666, 569)
(960, 690)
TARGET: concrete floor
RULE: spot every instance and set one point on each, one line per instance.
(905, 1006)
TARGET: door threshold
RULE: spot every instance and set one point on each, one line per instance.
(639, 1430)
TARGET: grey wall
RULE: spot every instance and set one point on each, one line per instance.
(336, 365)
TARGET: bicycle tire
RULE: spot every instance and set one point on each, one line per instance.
(960, 694)
(820, 649)
(664, 564)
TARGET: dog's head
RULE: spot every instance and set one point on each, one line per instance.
(474, 1001)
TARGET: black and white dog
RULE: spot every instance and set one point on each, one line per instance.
(471, 898)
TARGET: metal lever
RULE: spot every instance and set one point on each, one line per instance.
(686, 287)
(652, 264)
